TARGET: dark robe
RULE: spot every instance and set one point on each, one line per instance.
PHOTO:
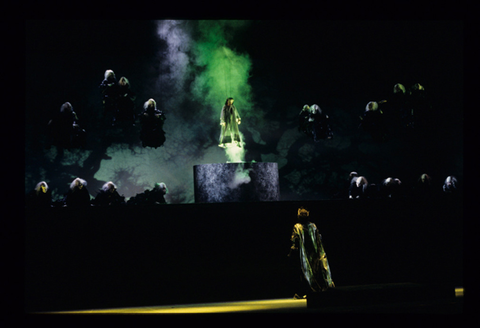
(354, 191)
(303, 124)
(155, 196)
(392, 190)
(109, 90)
(313, 259)
(374, 123)
(125, 104)
(38, 199)
(61, 130)
(420, 105)
(321, 127)
(423, 190)
(77, 197)
(152, 134)
(108, 198)
(229, 132)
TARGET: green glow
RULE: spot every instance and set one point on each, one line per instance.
(220, 71)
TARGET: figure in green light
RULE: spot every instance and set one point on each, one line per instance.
(229, 121)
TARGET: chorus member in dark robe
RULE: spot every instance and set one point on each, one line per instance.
(390, 188)
(397, 113)
(126, 102)
(420, 106)
(77, 195)
(109, 89)
(321, 124)
(41, 196)
(372, 121)
(451, 188)
(358, 187)
(157, 194)
(344, 193)
(108, 196)
(307, 240)
(61, 128)
(152, 120)
(304, 125)
(423, 188)
(229, 121)
(401, 105)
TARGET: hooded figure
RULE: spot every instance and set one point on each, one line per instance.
(321, 127)
(390, 188)
(303, 121)
(420, 106)
(398, 114)
(372, 121)
(126, 102)
(109, 90)
(77, 195)
(313, 259)
(108, 196)
(450, 184)
(63, 130)
(358, 187)
(423, 188)
(229, 121)
(41, 196)
(157, 196)
(152, 119)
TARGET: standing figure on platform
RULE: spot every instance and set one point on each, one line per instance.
(109, 90)
(372, 121)
(108, 196)
(320, 121)
(126, 102)
(152, 119)
(313, 260)
(77, 195)
(41, 196)
(229, 121)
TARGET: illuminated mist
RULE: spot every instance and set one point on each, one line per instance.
(190, 67)
(200, 64)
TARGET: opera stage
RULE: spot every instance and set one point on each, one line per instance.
(441, 302)
(185, 254)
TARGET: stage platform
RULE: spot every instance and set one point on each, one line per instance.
(126, 257)
(405, 298)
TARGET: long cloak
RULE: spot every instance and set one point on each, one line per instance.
(313, 259)
(230, 132)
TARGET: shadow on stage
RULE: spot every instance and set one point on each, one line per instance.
(218, 252)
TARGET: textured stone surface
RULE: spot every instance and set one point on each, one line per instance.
(236, 182)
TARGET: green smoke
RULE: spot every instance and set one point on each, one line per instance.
(220, 71)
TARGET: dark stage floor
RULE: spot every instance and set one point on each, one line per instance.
(436, 304)
(205, 256)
